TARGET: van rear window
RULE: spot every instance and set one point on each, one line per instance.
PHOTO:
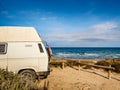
(3, 48)
(40, 48)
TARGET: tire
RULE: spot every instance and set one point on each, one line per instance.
(29, 75)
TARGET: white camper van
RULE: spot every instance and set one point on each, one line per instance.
(22, 51)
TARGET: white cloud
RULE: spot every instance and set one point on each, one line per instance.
(97, 34)
(7, 14)
(48, 18)
(104, 27)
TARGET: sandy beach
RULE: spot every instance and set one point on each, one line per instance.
(70, 78)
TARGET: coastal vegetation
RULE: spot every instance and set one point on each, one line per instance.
(113, 62)
(86, 63)
(12, 81)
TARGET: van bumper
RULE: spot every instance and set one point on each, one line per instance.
(42, 75)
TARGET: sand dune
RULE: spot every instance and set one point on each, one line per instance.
(84, 79)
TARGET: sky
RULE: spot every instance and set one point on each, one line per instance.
(67, 23)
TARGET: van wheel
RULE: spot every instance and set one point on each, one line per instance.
(28, 75)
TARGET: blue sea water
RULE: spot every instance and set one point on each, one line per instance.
(86, 52)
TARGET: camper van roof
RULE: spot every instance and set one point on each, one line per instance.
(13, 33)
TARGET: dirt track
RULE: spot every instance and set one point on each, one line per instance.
(85, 79)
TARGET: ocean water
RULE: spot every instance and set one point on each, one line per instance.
(85, 53)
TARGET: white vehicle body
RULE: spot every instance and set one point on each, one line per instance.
(21, 48)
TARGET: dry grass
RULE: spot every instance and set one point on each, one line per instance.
(107, 62)
(11, 81)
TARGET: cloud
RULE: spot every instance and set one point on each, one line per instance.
(48, 18)
(7, 14)
(99, 33)
(4, 12)
(93, 40)
(43, 18)
(104, 27)
(10, 16)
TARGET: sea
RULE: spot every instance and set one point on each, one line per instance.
(86, 52)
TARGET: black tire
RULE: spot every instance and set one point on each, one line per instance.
(28, 75)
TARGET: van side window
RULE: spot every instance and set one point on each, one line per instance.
(3, 48)
(40, 48)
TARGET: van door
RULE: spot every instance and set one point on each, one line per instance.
(43, 58)
(3, 55)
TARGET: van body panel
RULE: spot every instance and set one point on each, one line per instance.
(3, 61)
(27, 55)
(22, 63)
(12, 33)
(25, 50)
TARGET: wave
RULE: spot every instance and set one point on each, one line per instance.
(76, 55)
(118, 54)
(67, 55)
(86, 55)
(91, 54)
